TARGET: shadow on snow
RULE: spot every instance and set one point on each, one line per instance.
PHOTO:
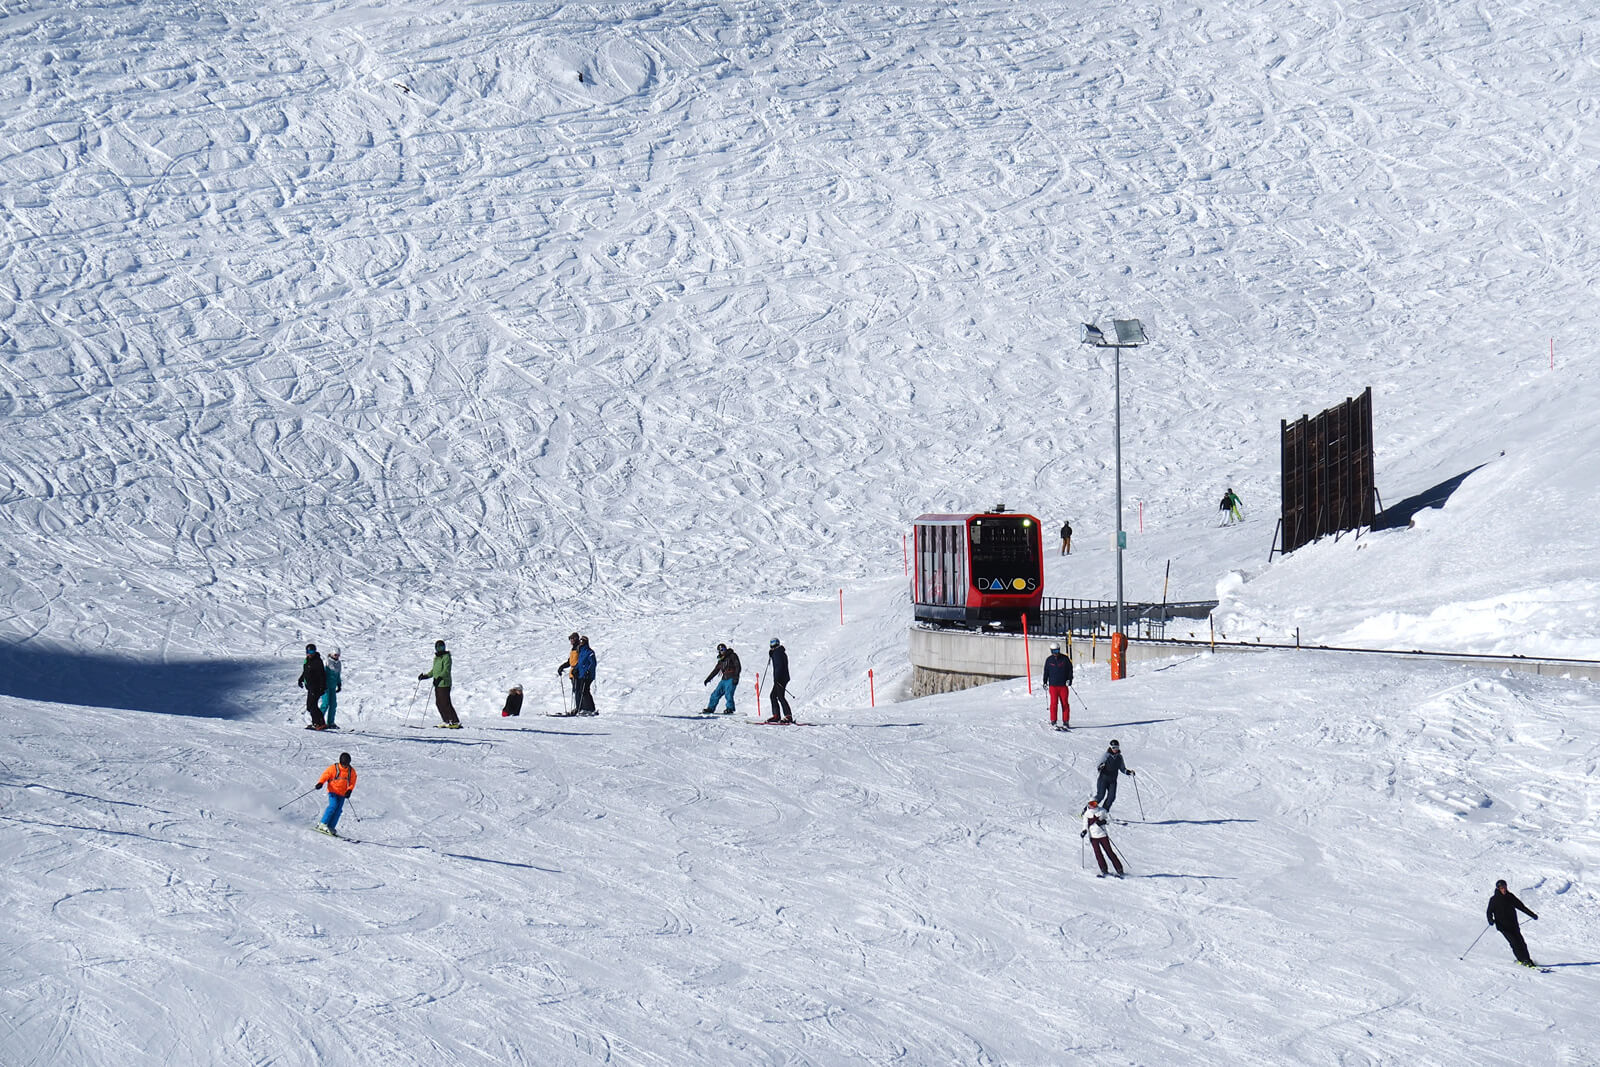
(204, 688)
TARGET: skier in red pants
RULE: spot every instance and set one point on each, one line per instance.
(1057, 677)
(1094, 825)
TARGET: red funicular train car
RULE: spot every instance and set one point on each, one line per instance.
(977, 570)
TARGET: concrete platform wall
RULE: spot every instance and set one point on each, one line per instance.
(946, 661)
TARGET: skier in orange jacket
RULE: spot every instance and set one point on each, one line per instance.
(340, 778)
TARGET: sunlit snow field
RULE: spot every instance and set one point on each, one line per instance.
(374, 324)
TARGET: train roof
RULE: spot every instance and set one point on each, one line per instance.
(965, 516)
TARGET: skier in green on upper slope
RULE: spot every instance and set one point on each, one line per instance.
(440, 673)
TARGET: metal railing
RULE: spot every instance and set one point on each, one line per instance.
(1060, 616)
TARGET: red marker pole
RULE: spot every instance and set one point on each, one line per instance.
(872, 690)
(841, 607)
(1027, 653)
(1141, 516)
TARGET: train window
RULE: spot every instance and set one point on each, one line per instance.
(1005, 554)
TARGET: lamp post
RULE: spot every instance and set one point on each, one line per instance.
(1130, 334)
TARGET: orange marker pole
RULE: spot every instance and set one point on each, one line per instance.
(841, 607)
(872, 690)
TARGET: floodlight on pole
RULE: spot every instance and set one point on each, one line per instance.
(1130, 334)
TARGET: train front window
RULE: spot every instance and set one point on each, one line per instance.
(1005, 554)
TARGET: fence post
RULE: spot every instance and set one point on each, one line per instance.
(1027, 653)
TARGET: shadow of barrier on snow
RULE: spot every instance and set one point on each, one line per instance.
(206, 688)
(1396, 516)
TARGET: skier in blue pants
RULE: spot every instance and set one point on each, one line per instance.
(728, 666)
(330, 695)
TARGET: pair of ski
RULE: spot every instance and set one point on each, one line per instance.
(322, 829)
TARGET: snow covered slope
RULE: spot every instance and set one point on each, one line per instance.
(372, 324)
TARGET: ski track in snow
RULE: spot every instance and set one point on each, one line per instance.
(368, 325)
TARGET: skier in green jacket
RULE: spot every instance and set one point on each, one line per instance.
(440, 673)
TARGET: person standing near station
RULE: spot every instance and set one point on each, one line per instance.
(778, 656)
(1066, 538)
(1057, 677)
(1094, 827)
(727, 666)
(440, 673)
(314, 680)
(1502, 914)
(1105, 786)
(340, 778)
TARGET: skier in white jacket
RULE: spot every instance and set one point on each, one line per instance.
(1094, 827)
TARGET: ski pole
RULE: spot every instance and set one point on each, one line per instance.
(307, 793)
(1137, 797)
(418, 705)
(1083, 853)
(1475, 940)
(1078, 698)
(351, 808)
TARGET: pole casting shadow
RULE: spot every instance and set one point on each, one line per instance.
(204, 688)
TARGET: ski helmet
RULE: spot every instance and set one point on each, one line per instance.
(1055, 648)
(722, 648)
(773, 643)
(344, 758)
(1115, 743)
(573, 636)
(438, 646)
(311, 648)
(583, 642)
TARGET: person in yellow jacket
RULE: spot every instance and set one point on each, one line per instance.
(340, 778)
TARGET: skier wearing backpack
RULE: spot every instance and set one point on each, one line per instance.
(583, 679)
(314, 680)
(1094, 827)
(440, 673)
(778, 656)
(1502, 915)
(335, 682)
(1105, 786)
(727, 666)
(340, 778)
(1057, 677)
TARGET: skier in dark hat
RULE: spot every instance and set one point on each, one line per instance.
(314, 680)
(440, 673)
(1105, 786)
(727, 666)
(1502, 914)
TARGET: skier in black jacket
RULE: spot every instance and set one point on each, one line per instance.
(779, 658)
(1502, 914)
(1105, 786)
(1057, 677)
(314, 680)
